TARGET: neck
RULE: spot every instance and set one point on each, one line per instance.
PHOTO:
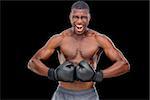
(79, 35)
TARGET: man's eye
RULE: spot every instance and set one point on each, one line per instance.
(84, 17)
(75, 17)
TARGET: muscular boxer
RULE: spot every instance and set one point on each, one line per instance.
(79, 52)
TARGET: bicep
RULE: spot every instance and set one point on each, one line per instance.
(48, 49)
(109, 48)
(113, 53)
(44, 53)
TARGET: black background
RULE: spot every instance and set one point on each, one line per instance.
(26, 26)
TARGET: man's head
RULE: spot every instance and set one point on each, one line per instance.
(80, 16)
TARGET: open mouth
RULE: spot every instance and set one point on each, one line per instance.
(79, 28)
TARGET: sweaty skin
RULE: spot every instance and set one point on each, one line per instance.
(80, 43)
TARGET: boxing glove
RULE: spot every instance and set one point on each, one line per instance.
(85, 73)
(64, 72)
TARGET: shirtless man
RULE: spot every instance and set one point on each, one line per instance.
(79, 52)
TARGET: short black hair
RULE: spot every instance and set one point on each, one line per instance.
(80, 5)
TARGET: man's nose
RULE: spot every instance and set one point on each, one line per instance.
(79, 20)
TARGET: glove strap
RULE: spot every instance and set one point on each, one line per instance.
(98, 77)
(51, 74)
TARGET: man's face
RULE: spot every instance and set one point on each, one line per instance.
(79, 19)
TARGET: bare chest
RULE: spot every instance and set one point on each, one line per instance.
(84, 48)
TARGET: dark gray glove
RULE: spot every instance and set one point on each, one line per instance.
(64, 72)
(85, 73)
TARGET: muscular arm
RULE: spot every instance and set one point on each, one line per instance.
(35, 64)
(120, 65)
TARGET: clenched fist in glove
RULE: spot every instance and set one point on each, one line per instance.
(85, 73)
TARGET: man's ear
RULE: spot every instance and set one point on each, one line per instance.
(70, 16)
(89, 17)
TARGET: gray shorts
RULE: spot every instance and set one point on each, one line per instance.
(65, 94)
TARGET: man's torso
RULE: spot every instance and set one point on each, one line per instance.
(76, 49)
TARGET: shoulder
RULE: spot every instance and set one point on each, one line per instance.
(102, 39)
(56, 40)
(97, 35)
(66, 32)
(61, 35)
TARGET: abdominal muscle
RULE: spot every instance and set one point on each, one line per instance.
(77, 85)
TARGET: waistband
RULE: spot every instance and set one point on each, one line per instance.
(73, 92)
